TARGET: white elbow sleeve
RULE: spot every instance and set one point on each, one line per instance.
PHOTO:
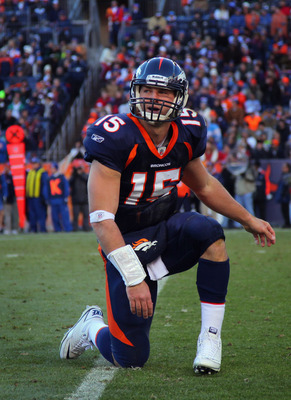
(127, 263)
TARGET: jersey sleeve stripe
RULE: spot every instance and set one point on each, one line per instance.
(132, 155)
(190, 151)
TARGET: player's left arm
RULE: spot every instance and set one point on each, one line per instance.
(212, 193)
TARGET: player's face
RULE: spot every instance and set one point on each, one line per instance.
(161, 97)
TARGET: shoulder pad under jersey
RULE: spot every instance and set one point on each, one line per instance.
(193, 127)
(109, 140)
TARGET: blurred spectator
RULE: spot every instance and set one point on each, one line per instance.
(8, 120)
(77, 71)
(228, 180)
(214, 131)
(279, 23)
(235, 113)
(78, 190)
(259, 196)
(237, 20)
(265, 21)
(2, 102)
(186, 5)
(282, 195)
(211, 155)
(53, 10)
(107, 58)
(3, 149)
(177, 51)
(271, 91)
(64, 27)
(285, 7)
(114, 15)
(16, 106)
(157, 23)
(252, 119)
(265, 133)
(252, 19)
(104, 98)
(37, 196)
(124, 106)
(39, 12)
(204, 109)
(221, 14)
(245, 186)
(10, 205)
(48, 74)
(259, 152)
(285, 92)
(276, 149)
(77, 152)
(136, 14)
(58, 193)
(284, 131)
(252, 104)
(3, 197)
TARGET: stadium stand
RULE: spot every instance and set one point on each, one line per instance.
(43, 60)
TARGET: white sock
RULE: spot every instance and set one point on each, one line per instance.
(212, 317)
(94, 327)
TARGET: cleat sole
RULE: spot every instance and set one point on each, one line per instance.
(200, 370)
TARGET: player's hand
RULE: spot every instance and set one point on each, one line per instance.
(262, 231)
(140, 300)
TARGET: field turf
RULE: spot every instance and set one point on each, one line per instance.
(48, 279)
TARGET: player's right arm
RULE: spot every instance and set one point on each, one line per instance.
(103, 194)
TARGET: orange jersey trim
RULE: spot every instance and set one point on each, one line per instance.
(131, 155)
(190, 151)
(113, 326)
(149, 141)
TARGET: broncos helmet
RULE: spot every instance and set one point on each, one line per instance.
(164, 73)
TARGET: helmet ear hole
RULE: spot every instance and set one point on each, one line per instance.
(164, 73)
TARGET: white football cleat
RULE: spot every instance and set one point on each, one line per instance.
(77, 340)
(208, 356)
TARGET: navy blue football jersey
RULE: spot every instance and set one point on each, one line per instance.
(147, 177)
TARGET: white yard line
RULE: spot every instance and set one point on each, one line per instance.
(95, 382)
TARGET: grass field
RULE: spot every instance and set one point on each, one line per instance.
(47, 280)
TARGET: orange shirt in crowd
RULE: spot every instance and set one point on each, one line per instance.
(253, 121)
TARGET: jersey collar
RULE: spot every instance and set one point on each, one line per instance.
(149, 141)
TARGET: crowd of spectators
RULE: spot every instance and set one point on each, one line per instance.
(42, 66)
(237, 58)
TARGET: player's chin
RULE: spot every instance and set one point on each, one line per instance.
(156, 124)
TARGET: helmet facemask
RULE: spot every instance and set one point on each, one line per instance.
(140, 103)
(160, 73)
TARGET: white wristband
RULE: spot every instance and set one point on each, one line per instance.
(127, 263)
(100, 215)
